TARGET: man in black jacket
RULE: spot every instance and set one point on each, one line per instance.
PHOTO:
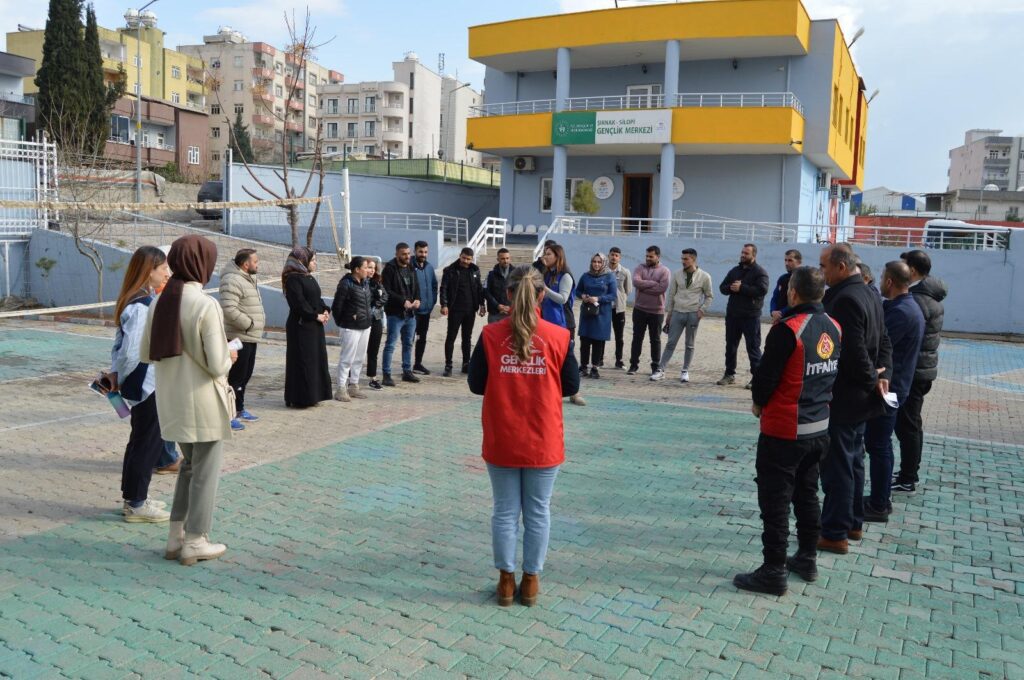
(495, 290)
(462, 295)
(865, 366)
(746, 284)
(403, 291)
(791, 392)
(928, 292)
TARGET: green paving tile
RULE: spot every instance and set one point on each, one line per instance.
(390, 574)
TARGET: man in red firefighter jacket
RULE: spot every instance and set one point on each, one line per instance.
(791, 391)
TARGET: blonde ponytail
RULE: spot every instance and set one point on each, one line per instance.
(525, 286)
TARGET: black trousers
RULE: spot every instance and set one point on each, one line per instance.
(373, 348)
(142, 452)
(422, 326)
(618, 327)
(459, 320)
(787, 473)
(748, 328)
(651, 323)
(590, 347)
(241, 373)
(910, 431)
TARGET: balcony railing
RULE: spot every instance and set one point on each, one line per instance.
(645, 101)
(263, 73)
(262, 119)
(17, 98)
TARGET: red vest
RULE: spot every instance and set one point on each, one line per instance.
(522, 410)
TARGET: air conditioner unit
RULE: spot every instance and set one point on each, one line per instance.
(523, 163)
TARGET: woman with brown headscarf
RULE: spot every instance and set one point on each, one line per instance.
(185, 341)
(307, 377)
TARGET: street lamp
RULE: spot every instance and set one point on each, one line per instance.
(137, 19)
(981, 200)
(448, 121)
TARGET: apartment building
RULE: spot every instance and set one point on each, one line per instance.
(168, 84)
(745, 109)
(987, 157)
(151, 70)
(417, 114)
(17, 112)
(278, 99)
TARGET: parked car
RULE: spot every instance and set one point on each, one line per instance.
(212, 190)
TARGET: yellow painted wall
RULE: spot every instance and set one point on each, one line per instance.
(27, 44)
(842, 130)
(725, 126)
(496, 132)
(863, 136)
(684, 21)
(171, 84)
(737, 126)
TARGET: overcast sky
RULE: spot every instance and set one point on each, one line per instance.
(942, 66)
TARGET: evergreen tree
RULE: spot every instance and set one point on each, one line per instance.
(240, 144)
(585, 200)
(60, 108)
(99, 96)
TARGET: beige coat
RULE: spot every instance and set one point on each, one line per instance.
(193, 398)
(242, 305)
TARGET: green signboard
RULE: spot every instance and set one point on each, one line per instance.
(648, 126)
(573, 127)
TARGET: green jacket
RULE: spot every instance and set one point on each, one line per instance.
(243, 307)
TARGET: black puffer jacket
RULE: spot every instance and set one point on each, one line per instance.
(929, 294)
(351, 306)
(754, 285)
(378, 298)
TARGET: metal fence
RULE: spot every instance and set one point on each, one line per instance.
(455, 229)
(416, 168)
(28, 172)
(645, 101)
(701, 228)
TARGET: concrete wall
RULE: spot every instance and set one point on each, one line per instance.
(14, 277)
(986, 289)
(740, 187)
(72, 279)
(369, 194)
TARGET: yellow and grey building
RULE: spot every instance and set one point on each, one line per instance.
(744, 109)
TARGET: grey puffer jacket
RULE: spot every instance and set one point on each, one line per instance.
(240, 300)
(929, 294)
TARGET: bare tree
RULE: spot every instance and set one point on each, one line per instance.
(300, 50)
(85, 180)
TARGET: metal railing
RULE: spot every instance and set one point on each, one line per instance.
(455, 229)
(701, 228)
(933, 237)
(645, 101)
(987, 238)
(28, 172)
(491, 230)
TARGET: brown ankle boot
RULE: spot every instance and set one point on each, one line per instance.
(506, 588)
(528, 589)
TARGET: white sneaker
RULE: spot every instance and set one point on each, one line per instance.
(684, 376)
(159, 504)
(657, 375)
(197, 547)
(147, 512)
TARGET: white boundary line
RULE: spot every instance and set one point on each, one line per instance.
(55, 420)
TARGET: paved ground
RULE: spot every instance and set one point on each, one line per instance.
(359, 538)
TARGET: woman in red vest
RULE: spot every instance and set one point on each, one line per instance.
(523, 367)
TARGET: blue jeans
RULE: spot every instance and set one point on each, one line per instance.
(407, 328)
(525, 491)
(168, 456)
(842, 480)
(878, 442)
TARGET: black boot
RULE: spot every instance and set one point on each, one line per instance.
(409, 377)
(770, 580)
(387, 381)
(804, 564)
(465, 368)
(447, 371)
